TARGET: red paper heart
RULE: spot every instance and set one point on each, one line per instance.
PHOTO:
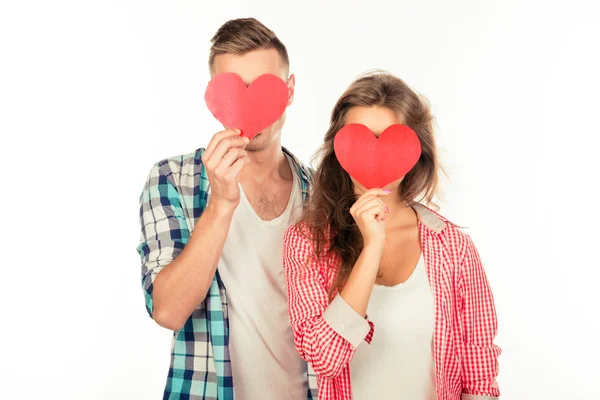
(376, 162)
(249, 109)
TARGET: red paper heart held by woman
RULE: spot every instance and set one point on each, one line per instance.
(377, 161)
(249, 109)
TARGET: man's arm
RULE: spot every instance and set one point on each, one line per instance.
(183, 283)
(178, 272)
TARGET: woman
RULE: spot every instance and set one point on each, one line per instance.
(378, 266)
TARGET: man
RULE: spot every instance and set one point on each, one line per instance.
(212, 228)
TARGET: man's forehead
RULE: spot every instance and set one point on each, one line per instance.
(251, 65)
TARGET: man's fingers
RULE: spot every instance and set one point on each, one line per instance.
(216, 139)
(234, 171)
(223, 148)
(229, 159)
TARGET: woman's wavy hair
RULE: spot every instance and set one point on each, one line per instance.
(326, 219)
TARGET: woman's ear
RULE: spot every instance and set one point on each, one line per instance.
(291, 83)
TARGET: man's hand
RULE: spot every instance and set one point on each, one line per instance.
(224, 159)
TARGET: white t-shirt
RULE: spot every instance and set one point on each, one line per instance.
(398, 364)
(264, 360)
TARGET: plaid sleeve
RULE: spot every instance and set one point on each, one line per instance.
(479, 354)
(327, 351)
(164, 230)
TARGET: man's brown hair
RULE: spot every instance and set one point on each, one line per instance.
(240, 36)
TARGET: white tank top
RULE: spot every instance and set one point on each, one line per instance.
(398, 364)
(264, 361)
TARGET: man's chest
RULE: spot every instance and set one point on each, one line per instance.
(269, 201)
(252, 255)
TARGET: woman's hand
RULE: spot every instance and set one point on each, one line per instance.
(370, 212)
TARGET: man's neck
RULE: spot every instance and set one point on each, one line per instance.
(269, 163)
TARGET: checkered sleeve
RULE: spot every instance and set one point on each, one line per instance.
(326, 349)
(479, 326)
(164, 230)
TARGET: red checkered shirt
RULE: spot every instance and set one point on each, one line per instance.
(326, 333)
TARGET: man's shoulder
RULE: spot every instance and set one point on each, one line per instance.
(183, 164)
(305, 171)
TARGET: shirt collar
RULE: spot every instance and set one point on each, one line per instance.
(429, 218)
(304, 171)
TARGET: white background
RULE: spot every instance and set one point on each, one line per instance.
(92, 93)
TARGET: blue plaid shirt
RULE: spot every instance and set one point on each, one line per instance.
(173, 198)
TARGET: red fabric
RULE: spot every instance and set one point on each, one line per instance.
(465, 317)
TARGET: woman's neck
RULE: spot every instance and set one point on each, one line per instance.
(401, 214)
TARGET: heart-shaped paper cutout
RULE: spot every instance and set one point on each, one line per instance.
(249, 109)
(377, 161)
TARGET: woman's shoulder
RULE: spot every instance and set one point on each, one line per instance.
(452, 235)
(302, 233)
(297, 233)
(300, 245)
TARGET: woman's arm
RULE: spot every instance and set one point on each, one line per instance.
(479, 327)
(326, 335)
